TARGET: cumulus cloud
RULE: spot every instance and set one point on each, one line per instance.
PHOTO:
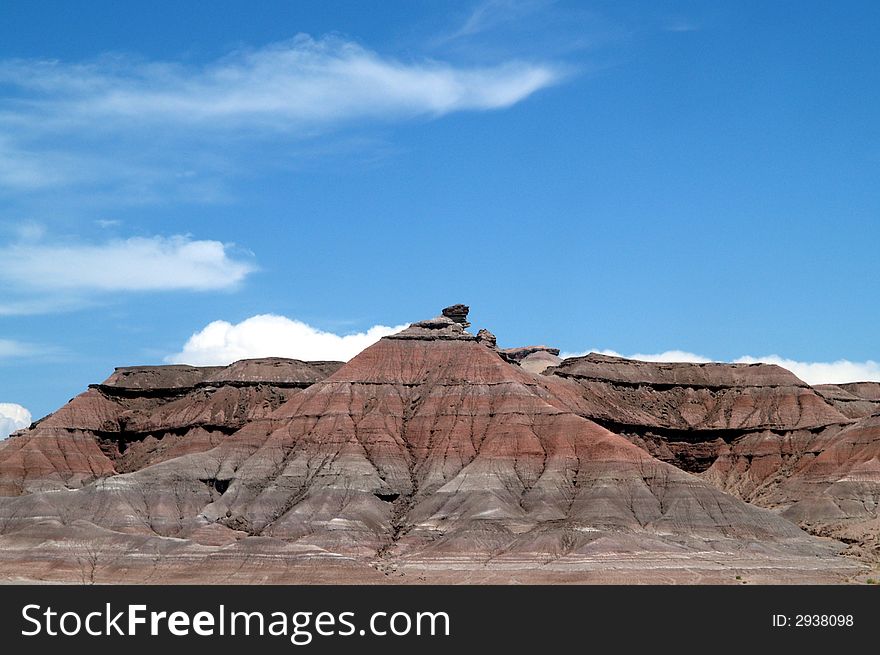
(836, 372)
(269, 335)
(137, 264)
(13, 417)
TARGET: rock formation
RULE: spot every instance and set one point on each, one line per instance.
(685, 413)
(487, 339)
(145, 414)
(431, 454)
(457, 313)
(535, 359)
(827, 480)
(856, 400)
(754, 430)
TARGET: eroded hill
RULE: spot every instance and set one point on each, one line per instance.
(434, 455)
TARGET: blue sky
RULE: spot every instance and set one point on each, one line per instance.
(637, 177)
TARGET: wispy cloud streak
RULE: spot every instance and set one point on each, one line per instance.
(63, 123)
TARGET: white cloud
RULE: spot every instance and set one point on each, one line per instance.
(836, 372)
(13, 417)
(269, 335)
(135, 264)
(301, 82)
(122, 130)
(25, 170)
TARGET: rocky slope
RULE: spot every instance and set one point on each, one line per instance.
(828, 481)
(855, 400)
(431, 453)
(142, 415)
(753, 430)
(534, 359)
(686, 413)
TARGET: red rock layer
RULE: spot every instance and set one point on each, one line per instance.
(431, 449)
(684, 413)
(854, 400)
(756, 430)
(143, 415)
(827, 481)
(436, 451)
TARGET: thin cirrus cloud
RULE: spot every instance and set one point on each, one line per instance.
(122, 130)
(492, 13)
(836, 372)
(301, 81)
(56, 113)
(10, 348)
(270, 335)
(158, 263)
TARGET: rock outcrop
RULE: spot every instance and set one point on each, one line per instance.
(416, 449)
(457, 313)
(434, 329)
(855, 400)
(828, 481)
(753, 430)
(145, 414)
(534, 359)
(487, 339)
(432, 454)
(685, 413)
